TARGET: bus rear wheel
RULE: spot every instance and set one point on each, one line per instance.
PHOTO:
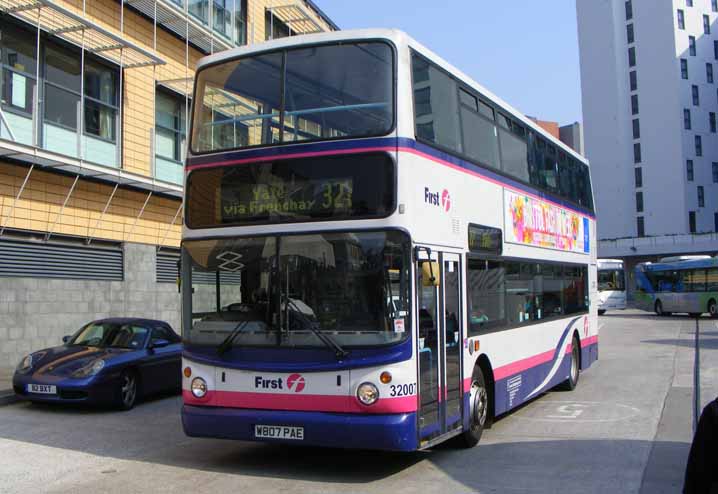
(478, 410)
(713, 308)
(575, 370)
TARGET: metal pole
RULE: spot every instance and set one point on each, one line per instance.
(697, 378)
(36, 118)
(62, 209)
(167, 232)
(17, 197)
(137, 219)
(102, 215)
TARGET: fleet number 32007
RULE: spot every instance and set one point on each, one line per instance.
(402, 389)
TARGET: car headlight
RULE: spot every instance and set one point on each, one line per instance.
(367, 394)
(25, 363)
(90, 369)
(199, 387)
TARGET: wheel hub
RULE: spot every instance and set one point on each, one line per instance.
(478, 400)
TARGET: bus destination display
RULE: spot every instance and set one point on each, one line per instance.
(485, 239)
(275, 197)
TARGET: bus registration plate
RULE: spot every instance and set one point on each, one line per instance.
(279, 432)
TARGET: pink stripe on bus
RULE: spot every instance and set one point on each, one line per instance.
(301, 402)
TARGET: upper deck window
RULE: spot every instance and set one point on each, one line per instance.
(303, 94)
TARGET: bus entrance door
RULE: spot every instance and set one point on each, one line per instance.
(439, 344)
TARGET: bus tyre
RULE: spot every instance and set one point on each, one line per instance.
(659, 309)
(713, 308)
(575, 369)
(478, 410)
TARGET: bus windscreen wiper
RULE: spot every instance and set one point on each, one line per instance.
(227, 343)
(339, 352)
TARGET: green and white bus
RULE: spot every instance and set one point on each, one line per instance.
(687, 284)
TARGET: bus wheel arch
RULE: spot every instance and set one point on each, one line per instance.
(484, 365)
(480, 399)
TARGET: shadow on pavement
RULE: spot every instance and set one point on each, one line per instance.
(151, 433)
(705, 343)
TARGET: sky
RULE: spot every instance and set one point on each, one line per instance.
(525, 51)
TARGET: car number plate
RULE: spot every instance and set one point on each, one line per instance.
(45, 389)
(279, 432)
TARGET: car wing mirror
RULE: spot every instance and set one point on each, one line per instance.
(66, 338)
(159, 343)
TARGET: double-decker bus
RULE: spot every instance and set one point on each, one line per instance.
(377, 252)
(681, 284)
(611, 285)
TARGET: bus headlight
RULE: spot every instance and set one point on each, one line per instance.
(367, 394)
(199, 387)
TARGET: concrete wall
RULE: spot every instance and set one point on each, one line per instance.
(37, 313)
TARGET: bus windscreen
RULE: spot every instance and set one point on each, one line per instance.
(309, 189)
(303, 94)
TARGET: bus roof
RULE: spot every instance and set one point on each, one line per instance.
(399, 38)
(707, 262)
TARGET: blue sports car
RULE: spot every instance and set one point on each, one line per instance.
(111, 361)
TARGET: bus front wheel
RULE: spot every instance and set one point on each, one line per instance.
(713, 308)
(659, 309)
(575, 370)
(478, 410)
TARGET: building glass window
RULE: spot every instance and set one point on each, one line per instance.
(274, 27)
(712, 121)
(715, 222)
(706, 25)
(634, 104)
(240, 22)
(709, 73)
(632, 57)
(686, 119)
(692, 46)
(701, 197)
(714, 167)
(714, 5)
(695, 95)
(692, 221)
(638, 172)
(640, 227)
(637, 152)
(699, 146)
(636, 129)
(681, 19)
(629, 10)
(689, 170)
(684, 68)
(639, 202)
(170, 123)
(630, 35)
(199, 9)
(689, 3)
(222, 17)
(18, 61)
(633, 80)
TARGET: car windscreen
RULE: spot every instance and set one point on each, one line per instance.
(108, 335)
(303, 94)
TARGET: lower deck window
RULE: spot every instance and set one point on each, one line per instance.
(504, 294)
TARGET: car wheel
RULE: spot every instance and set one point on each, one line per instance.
(575, 370)
(478, 410)
(127, 390)
(601, 312)
(713, 308)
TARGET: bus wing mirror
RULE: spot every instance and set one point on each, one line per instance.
(430, 273)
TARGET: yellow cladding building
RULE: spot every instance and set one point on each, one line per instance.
(95, 98)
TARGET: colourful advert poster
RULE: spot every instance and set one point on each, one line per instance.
(538, 223)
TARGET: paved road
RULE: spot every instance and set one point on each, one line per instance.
(626, 428)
